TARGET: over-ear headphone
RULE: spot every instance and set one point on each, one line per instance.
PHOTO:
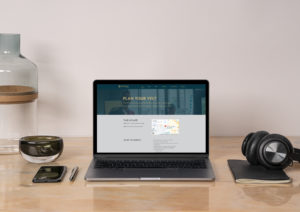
(272, 151)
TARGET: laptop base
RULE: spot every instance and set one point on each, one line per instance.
(149, 174)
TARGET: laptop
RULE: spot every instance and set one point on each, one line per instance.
(150, 130)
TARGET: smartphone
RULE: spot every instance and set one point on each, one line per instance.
(50, 174)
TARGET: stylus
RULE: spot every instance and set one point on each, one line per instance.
(74, 173)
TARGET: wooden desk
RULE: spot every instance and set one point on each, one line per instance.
(18, 193)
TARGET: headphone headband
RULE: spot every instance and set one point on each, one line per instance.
(296, 155)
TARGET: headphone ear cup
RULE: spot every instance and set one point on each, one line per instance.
(252, 144)
(245, 142)
(272, 149)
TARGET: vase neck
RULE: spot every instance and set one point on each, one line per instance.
(9, 44)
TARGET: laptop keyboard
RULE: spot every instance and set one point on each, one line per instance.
(192, 164)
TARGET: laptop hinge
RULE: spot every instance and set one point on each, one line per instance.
(150, 156)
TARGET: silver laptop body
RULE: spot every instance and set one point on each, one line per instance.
(150, 130)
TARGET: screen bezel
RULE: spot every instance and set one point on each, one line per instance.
(166, 154)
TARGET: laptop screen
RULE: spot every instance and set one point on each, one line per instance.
(151, 117)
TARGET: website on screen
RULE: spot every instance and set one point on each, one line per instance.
(151, 118)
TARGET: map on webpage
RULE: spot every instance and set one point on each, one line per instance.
(165, 126)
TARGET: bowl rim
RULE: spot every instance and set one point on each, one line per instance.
(41, 138)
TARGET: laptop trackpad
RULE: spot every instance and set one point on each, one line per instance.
(151, 172)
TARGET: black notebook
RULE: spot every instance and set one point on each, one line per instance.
(243, 172)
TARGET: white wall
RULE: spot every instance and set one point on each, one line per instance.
(249, 50)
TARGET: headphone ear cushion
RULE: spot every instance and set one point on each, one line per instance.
(245, 142)
(261, 152)
(252, 145)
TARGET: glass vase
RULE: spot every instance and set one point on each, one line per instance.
(18, 94)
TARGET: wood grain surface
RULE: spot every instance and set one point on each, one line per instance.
(18, 193)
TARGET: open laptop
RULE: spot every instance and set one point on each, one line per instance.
(150, 130)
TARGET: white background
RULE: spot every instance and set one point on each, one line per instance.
(249, 50)
(190, 138)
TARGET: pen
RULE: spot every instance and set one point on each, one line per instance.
(74, 173)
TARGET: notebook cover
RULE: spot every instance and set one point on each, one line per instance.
(242, 170)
